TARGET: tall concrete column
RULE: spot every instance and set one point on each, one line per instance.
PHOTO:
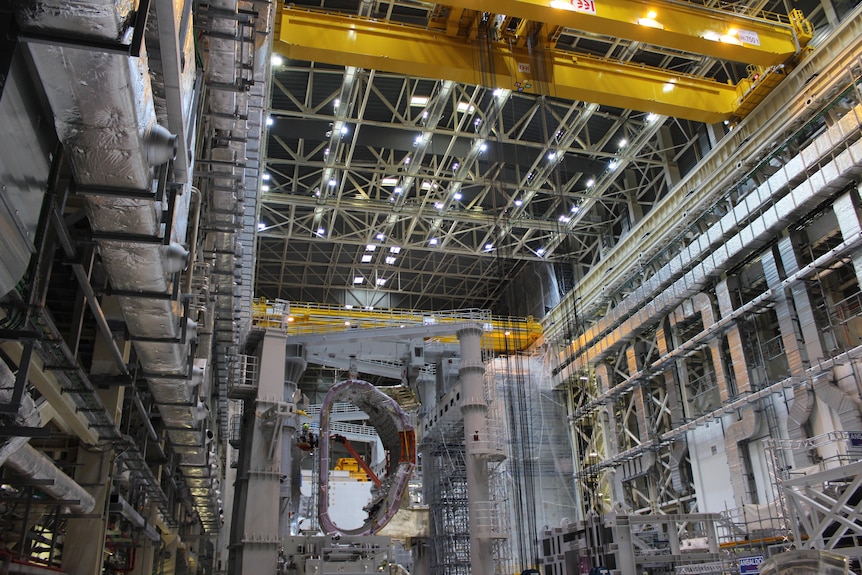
(146, 552)
(847, 213)
(84, 545)
(474, 409)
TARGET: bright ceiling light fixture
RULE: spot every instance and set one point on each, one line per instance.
(390, 260)
(370, 247)
(366, 258)
(395, 249)
(265, 177)
(466, 107)
(358, 280)
(381, 281)
(540, 251)
(261, 226)
(388, 181)
(650, 21)
(419, 101)
(276, 60)
(264, 188)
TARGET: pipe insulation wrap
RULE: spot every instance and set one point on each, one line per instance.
(105, 117)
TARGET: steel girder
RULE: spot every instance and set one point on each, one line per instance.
(689, 27)
(350, 41)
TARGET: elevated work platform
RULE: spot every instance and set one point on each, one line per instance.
(501, 334)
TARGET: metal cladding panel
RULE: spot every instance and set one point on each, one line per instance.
(25, 151)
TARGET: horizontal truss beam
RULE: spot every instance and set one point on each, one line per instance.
(682, 26)
(351, 41)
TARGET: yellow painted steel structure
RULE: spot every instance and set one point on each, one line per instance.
(501, 334)
(767, 41)
(352, 41)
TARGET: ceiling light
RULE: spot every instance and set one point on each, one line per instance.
(575, 209)
(519, 202)
(333, 182)
(565, 219)
(489, 247)
(265, 177)
(269, 121)
(370, 248)
(623, 143)
(590, 182)
(358, 280)
(465, 107)
(381, 281)
(613, 165)
(321, 231)
(390, 260)
(380, 237)
(650, 21)
(457, 196)
(426, 185)
(261, 226)
(264, 188)
(651, 117)
(540, 251)
(438, 205)
(395, 249)
(419, 101)
(483, 147)
(398, 190)
(433, 241)
(336, 103)
(388, 181)
(366, 258)
(552, 156)
(343, 130)
(276, 60)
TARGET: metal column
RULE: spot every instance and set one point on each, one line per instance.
(474, 408)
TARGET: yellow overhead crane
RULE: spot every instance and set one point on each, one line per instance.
(767, 41)
(501, 334)
(449, 54)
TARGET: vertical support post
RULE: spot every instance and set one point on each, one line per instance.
(294, 367)
(258, 546)
(83, 549)
(474, 408)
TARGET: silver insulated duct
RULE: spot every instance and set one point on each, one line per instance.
(104, 115)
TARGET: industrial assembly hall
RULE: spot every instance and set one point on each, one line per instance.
(480, 287)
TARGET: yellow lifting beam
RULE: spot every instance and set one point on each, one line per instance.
(501, 334)
(352, 41)
(680, 25)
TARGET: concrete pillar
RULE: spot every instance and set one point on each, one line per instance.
(793, 349)
(734, 339)
(847, 213)
(609, 422)
(671, 169)
(474, 409)
(84, 545)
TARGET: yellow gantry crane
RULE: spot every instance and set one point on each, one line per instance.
(448, 49)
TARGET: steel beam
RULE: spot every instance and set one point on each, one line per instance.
(351, 41)
(683, 26)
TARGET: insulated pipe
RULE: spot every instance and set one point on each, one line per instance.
(31, 463)
(474, 408)
(195, 219)
(27, 415)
